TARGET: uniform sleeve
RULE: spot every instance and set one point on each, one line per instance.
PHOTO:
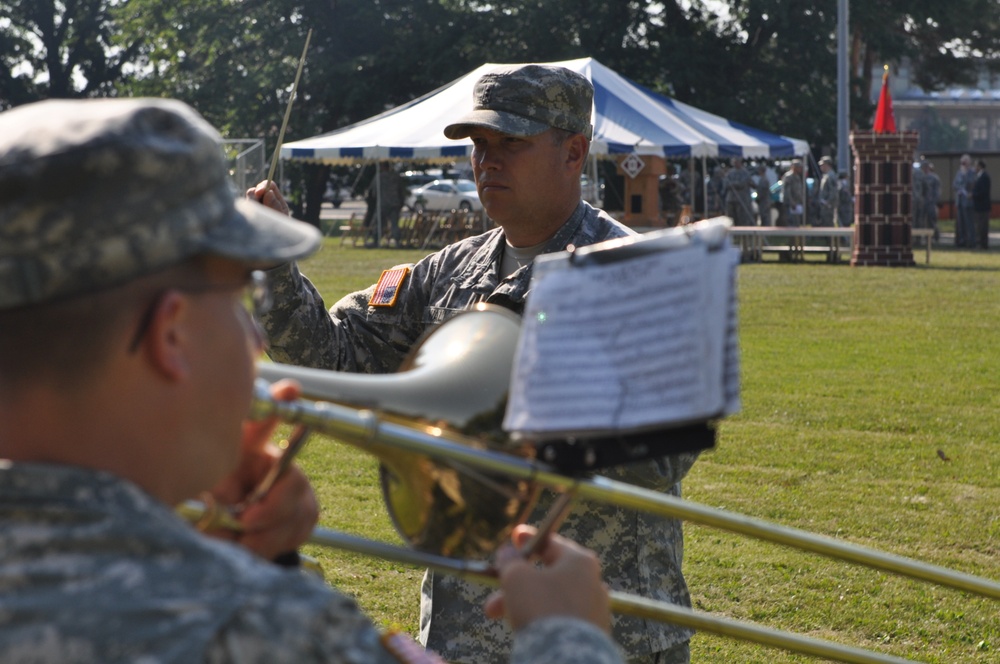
(348, 337)
(560, 639)
(298, 327)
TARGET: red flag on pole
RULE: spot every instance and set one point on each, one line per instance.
(885, 121)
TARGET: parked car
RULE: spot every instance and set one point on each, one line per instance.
(445, 195)
(414, 179)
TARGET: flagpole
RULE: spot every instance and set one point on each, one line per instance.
(843, 88)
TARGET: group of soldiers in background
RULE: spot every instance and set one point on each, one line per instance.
(744, 194)
(962, 185)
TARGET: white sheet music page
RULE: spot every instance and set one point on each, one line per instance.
(644, 339)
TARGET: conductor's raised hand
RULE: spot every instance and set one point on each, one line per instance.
(568, 583)
(267, 193)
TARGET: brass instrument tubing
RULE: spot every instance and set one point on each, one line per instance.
(337, 420)
(621, 603)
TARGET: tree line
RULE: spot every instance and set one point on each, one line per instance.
(765, 63)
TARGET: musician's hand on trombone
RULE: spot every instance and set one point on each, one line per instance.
(269, 194)
(285, 515)
(567, 584)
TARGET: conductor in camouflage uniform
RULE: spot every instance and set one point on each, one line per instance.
(531, 129)
(127, 362)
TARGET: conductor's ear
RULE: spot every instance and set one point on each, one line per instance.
(576, 151)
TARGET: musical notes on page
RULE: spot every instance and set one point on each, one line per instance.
(639, 334)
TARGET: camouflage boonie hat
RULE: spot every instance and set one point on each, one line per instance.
(94, 193)
(524, 100)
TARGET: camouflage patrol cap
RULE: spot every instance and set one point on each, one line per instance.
(524, 100)
(94, 193)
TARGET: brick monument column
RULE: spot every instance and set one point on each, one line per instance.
(883, 187)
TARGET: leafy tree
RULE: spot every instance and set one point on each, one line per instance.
(939, 38)
(59, 49)
(234, 61)
(765, 63)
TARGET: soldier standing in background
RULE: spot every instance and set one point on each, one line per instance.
(763, 188)
(965, 235)
(717, 191)
(792, 194)
(827, 192)
(670, 199)
(384, 197)
(739, 203)
(695, 197)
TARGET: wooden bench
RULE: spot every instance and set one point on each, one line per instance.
(755, 241)
(790, 241)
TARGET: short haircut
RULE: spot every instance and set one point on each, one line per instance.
(65, 342)
(560, 136)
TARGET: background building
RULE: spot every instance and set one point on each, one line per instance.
(958, 119)
(951, 122)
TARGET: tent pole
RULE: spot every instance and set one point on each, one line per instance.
(805, 190)
(378, 203)
(693, 189)
(704, 187)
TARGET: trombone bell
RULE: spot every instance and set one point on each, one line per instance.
(453, 385)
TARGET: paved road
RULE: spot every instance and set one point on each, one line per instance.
(356, 206)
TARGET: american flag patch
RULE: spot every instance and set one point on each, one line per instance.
(387, 288)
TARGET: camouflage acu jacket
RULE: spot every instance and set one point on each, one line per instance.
(639, 553)
(95, 571)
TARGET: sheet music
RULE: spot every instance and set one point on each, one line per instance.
(627, 344)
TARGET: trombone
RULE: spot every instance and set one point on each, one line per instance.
(455, 485)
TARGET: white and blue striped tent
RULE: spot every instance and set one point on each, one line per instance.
(627, 118)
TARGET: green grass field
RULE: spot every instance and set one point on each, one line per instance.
(853, 379)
